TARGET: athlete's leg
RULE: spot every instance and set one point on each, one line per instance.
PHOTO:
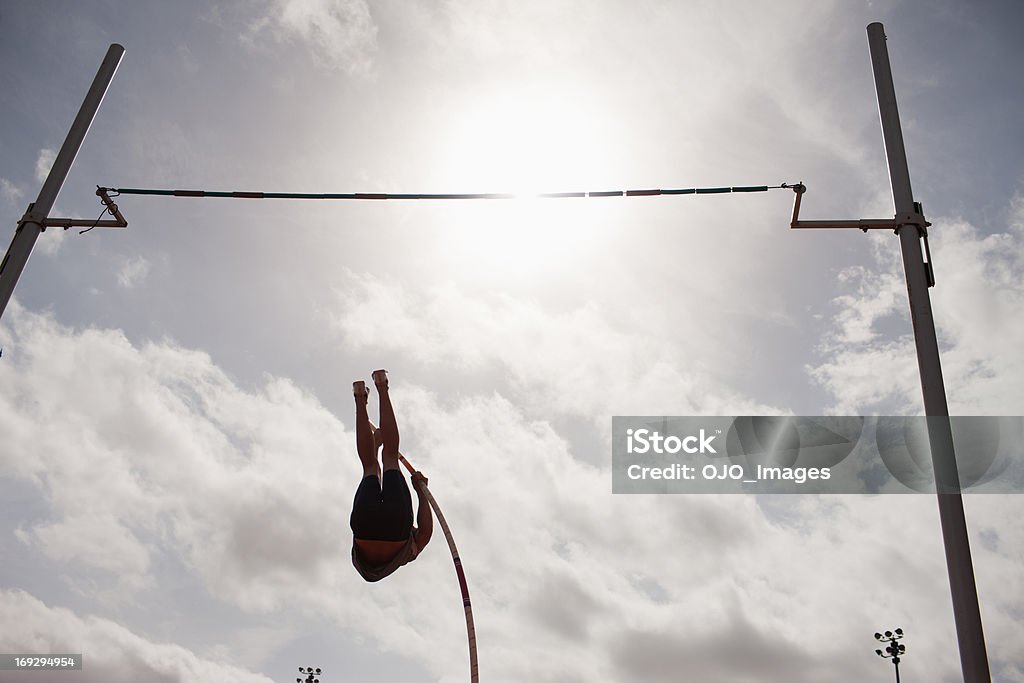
(388, 424)
(365, 445)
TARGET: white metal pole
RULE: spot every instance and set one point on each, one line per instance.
(32, 223)
(966, 611)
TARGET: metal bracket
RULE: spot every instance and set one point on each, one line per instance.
(863, 224)
(111, 208)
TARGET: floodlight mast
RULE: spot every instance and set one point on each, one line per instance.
(910, 225)
(37, 216)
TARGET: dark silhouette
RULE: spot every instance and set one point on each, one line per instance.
(383, 535)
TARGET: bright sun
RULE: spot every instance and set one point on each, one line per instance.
(524, 143)
(527, 142)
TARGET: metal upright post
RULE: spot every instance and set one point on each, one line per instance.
(34, 221)
(966, 611)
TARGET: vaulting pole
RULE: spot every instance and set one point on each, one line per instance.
(474, 673)
(966, 611)
(33, 222)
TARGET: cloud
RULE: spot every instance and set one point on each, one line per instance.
(341, 34)
(876, 298)
(10, 192)
(164, 448)
(51, 241)
(110, 652)
(43, 163)
(871, 364)
(157, 451)
(133, 271)
(713, 656)
(573, 363)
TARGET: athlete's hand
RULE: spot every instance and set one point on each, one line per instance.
(418, 478)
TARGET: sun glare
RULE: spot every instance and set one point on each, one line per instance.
(525, 143)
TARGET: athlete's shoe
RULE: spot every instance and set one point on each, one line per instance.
(380, 378)
(360, 391)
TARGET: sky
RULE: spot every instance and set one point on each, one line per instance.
(178, 461)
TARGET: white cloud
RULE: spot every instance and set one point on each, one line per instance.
(340, 33)
(10, 192)
(574, 363)
(110, 652)
(43, 163)
(859, 312)
(157, 432)
(133, 271)
(51, 241)
(249, 492)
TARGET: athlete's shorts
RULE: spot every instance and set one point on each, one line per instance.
(382, 511)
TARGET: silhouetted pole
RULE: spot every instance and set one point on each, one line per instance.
(33, 222)
(966, 612)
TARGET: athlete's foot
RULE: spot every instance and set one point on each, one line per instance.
(380, 378)
(360, 392)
